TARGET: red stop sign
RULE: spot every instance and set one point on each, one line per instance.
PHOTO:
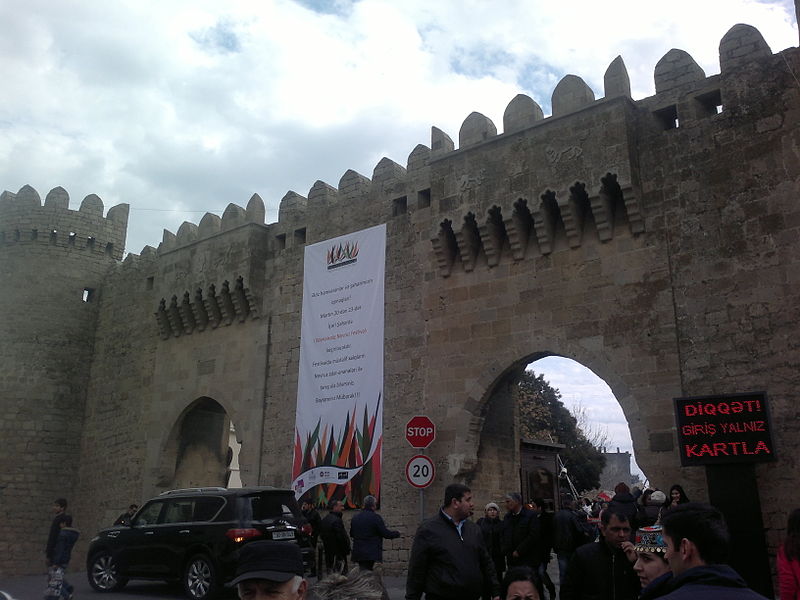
(420, 431)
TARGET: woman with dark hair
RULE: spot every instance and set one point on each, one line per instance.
(789, 560)
(520, 583)
(676, 496)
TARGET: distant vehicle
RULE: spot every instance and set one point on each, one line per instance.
(194, 536)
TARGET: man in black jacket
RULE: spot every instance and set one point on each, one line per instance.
(449, 560)
(335, 538)
(368, 532)
(602, 570)
(521, 533)
(568, 535)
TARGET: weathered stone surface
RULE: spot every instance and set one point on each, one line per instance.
(521, 113)
(616, 81)
(57, 198)
(475, 129)
(742, 44)
(676, 69)
(666, 261)
(571, 94)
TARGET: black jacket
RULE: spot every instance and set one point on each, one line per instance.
(64, 544)
(567, 532)
(313, 518)
(444, 565)
(334, 537)
(710, 582)
(521, 535)
(368, 530)
(492, 532)
(52, 538)
(596, 572)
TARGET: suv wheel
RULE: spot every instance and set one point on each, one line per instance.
(103, 573)
(200, 578)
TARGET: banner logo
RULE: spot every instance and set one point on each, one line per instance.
(341, 255)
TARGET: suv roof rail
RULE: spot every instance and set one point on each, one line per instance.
(198, 490)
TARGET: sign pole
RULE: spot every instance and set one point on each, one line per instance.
(422, 501)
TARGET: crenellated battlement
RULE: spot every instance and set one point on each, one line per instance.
(578, 169)
(571, 171)
(24, 220)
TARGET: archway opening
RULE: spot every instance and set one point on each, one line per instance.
(599, 415)
(507, 460)
(207, 451)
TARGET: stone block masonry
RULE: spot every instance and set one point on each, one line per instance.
(654, 241)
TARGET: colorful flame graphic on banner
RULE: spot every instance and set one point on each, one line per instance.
(341, 253)
(346, 448)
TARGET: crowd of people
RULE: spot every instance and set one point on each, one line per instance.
(644, 545)
(634, 545)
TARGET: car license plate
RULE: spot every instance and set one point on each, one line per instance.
(283, 535)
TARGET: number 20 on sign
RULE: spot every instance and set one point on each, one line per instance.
(420, 471)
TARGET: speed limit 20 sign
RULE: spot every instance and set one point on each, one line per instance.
(420, 471)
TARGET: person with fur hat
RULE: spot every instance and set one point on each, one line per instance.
(492, 529)
(650, 508)
(267, 569)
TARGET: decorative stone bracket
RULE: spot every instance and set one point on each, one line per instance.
(210, 310)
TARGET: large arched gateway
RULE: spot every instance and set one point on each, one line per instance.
(657, 242)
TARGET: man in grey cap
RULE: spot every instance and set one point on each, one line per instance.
(268, 569)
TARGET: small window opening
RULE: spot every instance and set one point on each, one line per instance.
(54, 236)
(88, 294)
(34, 234)
(280, 240)
(109, 248)
(300, 236)
(16, 235)
(149, 283)
(72, 236)
(399, 206)
(709, 104)
(668, 117)
(424, 198)
(90, 243)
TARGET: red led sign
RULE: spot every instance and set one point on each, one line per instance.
(724, 429)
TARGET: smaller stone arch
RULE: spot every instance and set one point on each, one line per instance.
(194, 451)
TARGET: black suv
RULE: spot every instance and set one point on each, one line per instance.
(194, 536)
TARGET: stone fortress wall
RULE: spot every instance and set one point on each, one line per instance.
(654, 241)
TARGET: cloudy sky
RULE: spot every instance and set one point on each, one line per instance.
(181, 107)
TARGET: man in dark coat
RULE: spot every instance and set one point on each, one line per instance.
(334, 538)
(312, 516)
(602, 570)
(368, 532)
(449, 560)
(521, 533)
(697, 545)
(545, 545)
(623, 503)
(568, 535)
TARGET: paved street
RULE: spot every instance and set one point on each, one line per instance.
(32, 588)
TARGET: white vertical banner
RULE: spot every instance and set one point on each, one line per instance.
(339, 422)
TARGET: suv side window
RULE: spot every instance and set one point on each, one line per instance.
(149, 514)
(179, 511)
(205, 509)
